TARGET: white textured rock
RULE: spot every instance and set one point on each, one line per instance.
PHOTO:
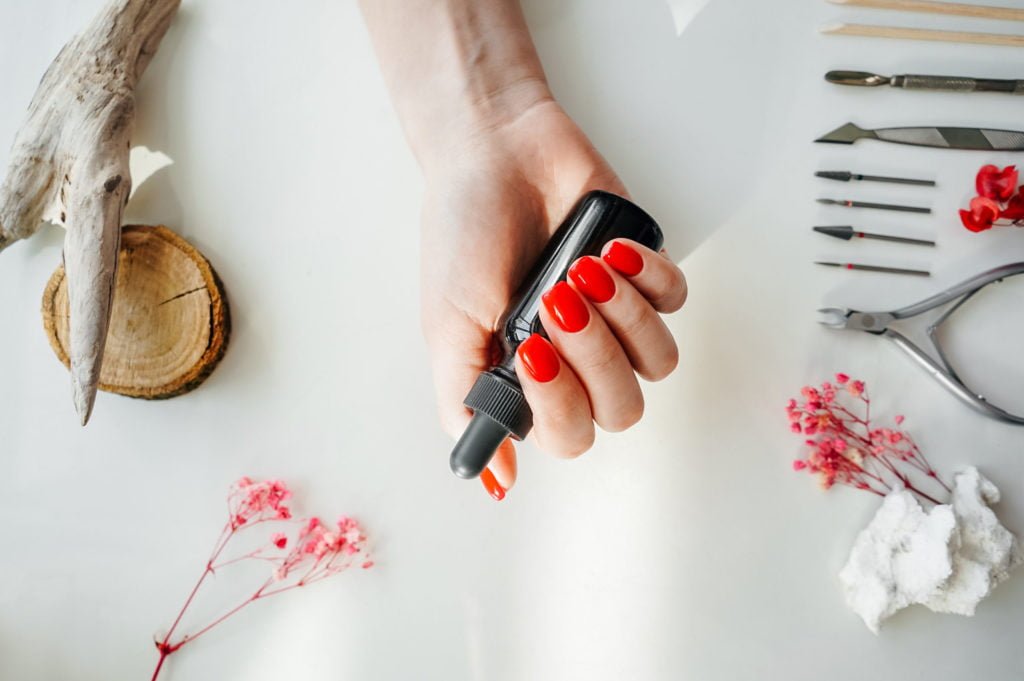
(947, 559)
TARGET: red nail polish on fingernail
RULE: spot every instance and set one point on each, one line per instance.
(539, 358)
(491, 485)
(592, 279)
(624, 259)
(566, 306)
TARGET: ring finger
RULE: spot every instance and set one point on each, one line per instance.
(586, 343)
(637, 325)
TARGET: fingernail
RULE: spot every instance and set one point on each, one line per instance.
(624, 259)
(566, 306)
(491, 485)
(592, 279)
(539, 358)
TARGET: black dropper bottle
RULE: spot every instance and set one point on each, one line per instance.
(497, 400)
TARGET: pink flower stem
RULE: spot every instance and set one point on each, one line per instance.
(918, 454)
(274, 592)
(921, 494)
(165, 647)
(258, 594)
(247, 556)
(222, 541)
(160, 663)
(853, 417)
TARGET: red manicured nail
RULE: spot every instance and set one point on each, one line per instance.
(539, 358)
(566, 306)
(592, 279)
(491, 485)
(624, 259)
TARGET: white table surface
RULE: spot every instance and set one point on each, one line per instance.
(682, 549)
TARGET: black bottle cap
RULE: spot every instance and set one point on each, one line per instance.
(500, 410)
(474, 449)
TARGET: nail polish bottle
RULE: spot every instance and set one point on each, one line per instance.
(497, 400)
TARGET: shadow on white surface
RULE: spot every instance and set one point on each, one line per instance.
(685, 548)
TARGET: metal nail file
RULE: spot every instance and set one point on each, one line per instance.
(933, 83)
(981, 139)
(875, 268)
(846, 203)
(846, 176)
(846, 232)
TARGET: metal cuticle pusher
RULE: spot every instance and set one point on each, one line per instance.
(927, 83)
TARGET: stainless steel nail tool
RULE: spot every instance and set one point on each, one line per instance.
(847, 176)
(878, 323)
(875, 268)
(944, 138)
(932, 83)
(847, 232)
(847, 203)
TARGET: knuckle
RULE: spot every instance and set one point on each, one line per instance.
(603, 358)
(639, 320)
(569, 448)
(664, 366)
(675, 294)
(625, 416)
(557, 415)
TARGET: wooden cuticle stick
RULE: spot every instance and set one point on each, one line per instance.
(903, 33)
(958, 9)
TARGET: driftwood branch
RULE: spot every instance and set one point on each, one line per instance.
(69, 166)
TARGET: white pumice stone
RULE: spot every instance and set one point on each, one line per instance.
(946, 559)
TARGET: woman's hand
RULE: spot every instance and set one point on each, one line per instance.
(493, 201)
(504, 165)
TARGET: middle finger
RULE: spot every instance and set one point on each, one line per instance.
(587, 344)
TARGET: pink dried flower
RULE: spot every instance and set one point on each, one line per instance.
(258, 501)
(317, 552)
(845, 448)
(856, 388)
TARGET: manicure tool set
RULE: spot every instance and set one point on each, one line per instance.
(848, 232)
(937, 137)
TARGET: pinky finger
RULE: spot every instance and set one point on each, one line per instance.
(653, 274)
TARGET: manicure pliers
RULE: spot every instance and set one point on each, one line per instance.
(878, 323)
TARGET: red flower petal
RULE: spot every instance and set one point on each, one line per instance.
(983, 213)
(993, 183)
(1015, 208)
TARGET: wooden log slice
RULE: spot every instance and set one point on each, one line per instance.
(170, 323)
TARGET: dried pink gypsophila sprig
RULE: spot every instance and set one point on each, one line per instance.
(847, 449)
(317, 552)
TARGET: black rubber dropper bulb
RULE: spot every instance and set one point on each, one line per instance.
(496, 399)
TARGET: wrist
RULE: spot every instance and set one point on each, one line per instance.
(457, 69)
(441, 132)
